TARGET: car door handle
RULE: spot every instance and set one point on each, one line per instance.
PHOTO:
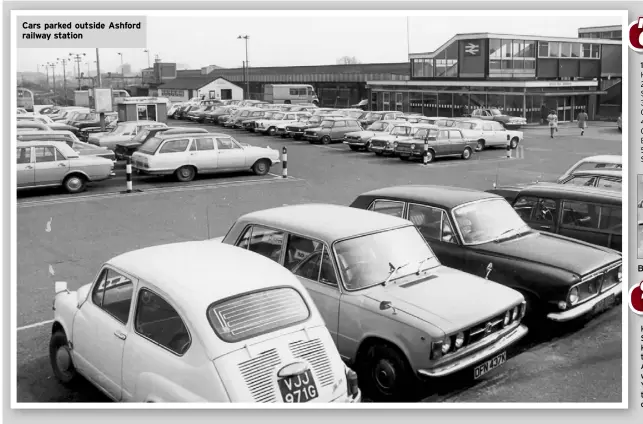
(29, 167)
(545, 227)
(120, 335)
(62, 164)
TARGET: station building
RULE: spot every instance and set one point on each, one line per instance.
(522, 75)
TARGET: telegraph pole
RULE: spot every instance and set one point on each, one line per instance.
(53, 74)
(101, 114)
(78, 58)
(64, 63)
(247, 70)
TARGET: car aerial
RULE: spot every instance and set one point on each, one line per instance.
(361, 140)
(126, 149)
(331, 130)
(584, 213)
(198, 114)
(296, 130)
(489, 133)
(53, 164)
(598, 162)
(432, 142)
(186, 155)
(392, 308)
(124, 131)
(385, 115)
(385, 143)
(619, 123)
(152, 327)
(494, 114)
(249, 123)
(83, 149)
(269, 126)
(607, 179)
(477, 232)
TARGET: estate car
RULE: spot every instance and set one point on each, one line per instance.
(489, 134)
(434, 142)
(126, 149)
(331, 130)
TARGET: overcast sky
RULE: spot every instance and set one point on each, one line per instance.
(202, 41)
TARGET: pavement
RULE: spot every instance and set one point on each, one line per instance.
(72, 235)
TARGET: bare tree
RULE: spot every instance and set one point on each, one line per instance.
(348, 60)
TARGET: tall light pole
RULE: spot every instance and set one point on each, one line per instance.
(46, 65)
(121, 55)
(52, 65)
(247, 73)
(64, 63)
(148, 57)
(78, 58)
(98, 78)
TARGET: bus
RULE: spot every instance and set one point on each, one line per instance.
(290, 94)
(25, 99)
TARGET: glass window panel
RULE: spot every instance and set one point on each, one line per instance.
(494, 48)
(506, 64)
(494, 64)
(530, 49)
(505, 49)
(554, 49)
(518, 48)
(565, 49)
(543, 49)
(519, 63)
(595, 51)
(586, 50)
(428, 68)
(576, 50)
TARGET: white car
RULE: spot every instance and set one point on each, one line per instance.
(269, 126)
(592, 163)
(362, 139)
(281, 128)
(155, 327)
(488, 133)
(124, 131)
(186, 155)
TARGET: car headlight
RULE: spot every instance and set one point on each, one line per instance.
(446, 345)
(573, 296)
(459, 340)
(395, 144)
(507, 318)
(412, 146)
(514, 313)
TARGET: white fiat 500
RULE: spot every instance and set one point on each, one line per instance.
(186, 155)
(197, 322)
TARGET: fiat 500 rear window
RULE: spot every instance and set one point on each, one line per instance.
(254, 314)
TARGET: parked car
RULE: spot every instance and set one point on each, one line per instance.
(441, 121)
(92, 119)
(494, 114)
(214, 115)
(186, 155)
(187, 340)
(489, 134)
(585, 213)
(393, 309)
(331, 130)
(385, 144)
(172, 109)
(326, 111)
(435, 142)
(249, 123)
(126, 149)
(66, 111)
(619, 123)
(83, 149)
(361, 140)
(607, 179)
(599, 162)
(85, 133)
(296, 129)
(269, 126)
(21, 111)
(353, 113)
(384, 115)
(182, 111)
(53, 164)
(22, 126)
(44, 119)
(480, 233)
(198, 114)
(124, 131)
(281, 127)
(239, 116)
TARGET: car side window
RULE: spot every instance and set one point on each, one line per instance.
(432, 223)
(611, 219)
(264, 241)
(524, 207)
(204, 144)
(545, 211)
(581, 214)
(298, 249)
(23, 155)
(175, 146)
(389, 207)
(113, 294)
(159, 322)
(487, 127)
(455, 135)
(45, 154)
(581, 181)
(339, 124)
(610, 184)
(226, 144)
(443, 135)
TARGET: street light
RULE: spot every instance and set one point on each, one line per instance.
(148, 57)
(247, 73)
(121, 55)
(52, 65)
(78, 58)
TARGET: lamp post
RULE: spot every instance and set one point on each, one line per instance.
(46, 65)
(121, 55)
(78, 58)
(148, 57)
(64, 63)
(52, 65)
(247, 70)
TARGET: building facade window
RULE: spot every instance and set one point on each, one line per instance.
(512, 54)
(555, 49)
(422, 68)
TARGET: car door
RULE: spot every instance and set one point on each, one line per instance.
(203, 154)
(539, 213)
(488, 134)
(499, 134)
(582, 221)
(50, 165)
(456, 142)
(231, 156)
(26, 174)
(442, 143)
(173, 154)
(338, 129)
(101, 329)
(611, 222)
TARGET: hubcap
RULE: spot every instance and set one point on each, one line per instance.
(384, 374)
(186, 172)
(63, 361)
(261, 167)
(74, 183)
(466, 153)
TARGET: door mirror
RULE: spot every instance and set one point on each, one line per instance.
(60, 286)
(81, 295)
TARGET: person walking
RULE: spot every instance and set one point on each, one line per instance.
(552, 118)
(582, 121)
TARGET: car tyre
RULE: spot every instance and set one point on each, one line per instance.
(466, 155)
(185, 173)
(354, 148)
(326, 139)
(379, 153)
(405, 158)
(272, 131)
(75, 184)
(386, 375)
(514, 142)
(60, 358)
(261, 167)
(480, 145)
(429, 156)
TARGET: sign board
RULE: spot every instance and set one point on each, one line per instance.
(103, 100)
(81, 98)
(471, 47)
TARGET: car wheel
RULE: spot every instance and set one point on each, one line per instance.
(185, 173)
(261, 167)
(272, 131)
(74, 184)
(60, 358)
(379, 154)
(466, 155)
(386, 375)
(354, 148)
(282, 135)
(296, 137)
(405, 158)
(325, 139)
(480, 145)
(429, 156)
(514, 142)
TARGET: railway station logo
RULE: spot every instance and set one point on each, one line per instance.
(472, 49)
(635, 35)
(636, 298)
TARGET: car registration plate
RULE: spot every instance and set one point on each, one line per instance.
(489, 365)
(604, 304)
(299, 388)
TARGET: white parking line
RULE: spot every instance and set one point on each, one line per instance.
(38, 324)
(467, 162)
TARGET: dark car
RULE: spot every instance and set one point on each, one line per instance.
(198, 114)
(436, 143)
(125, 150)
(214, 115)
(296, 129)
(85, 133)
(372, 117)
(331, 130)
(182, 112)
(480, 233)
(589, 214)
(494, 114)
(92, 119)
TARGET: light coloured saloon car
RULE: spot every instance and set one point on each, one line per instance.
(599, 162)
(53, 164)
(361, 140)
(83, 149)
(186, 155)
(197, 322)
(396, 314)
(269, 126)
(488, 133)
(124, 132)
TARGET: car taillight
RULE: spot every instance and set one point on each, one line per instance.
(351, 382)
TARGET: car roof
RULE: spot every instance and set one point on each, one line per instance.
(46, 132)
(384, 111)
(324, 221)
(181, 130)
(617, 159)
(167, 134)
(599, 173)
(339, 118)
(445, 196)
(570, 191)
(197, 273)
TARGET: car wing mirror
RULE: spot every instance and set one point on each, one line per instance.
(387, 304)
(81, 295)
(489, 269)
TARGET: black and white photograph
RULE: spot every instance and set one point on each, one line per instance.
(338, 208)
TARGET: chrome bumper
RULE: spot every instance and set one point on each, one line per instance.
(586, 307)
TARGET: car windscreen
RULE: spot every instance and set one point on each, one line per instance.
(401, 130)
(422, 133)
(150, 145)
(488, 220)
(257, 313)
(465, 125)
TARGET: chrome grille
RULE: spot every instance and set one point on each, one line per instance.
(258, 373)
(378, 143)
(352, 138)
(403, 148)
(484, 329)
(313, 351)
